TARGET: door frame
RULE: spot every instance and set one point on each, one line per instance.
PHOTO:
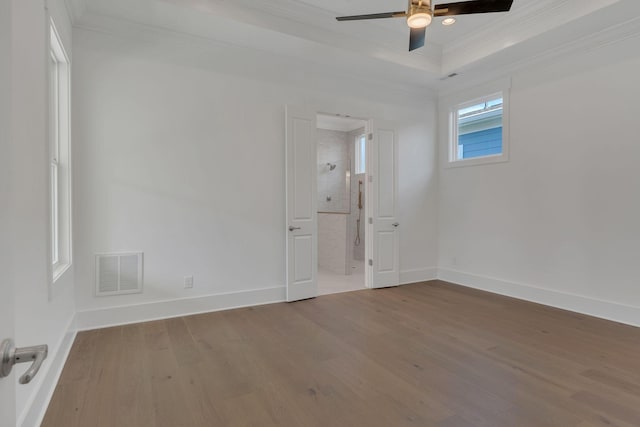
(374, 130)
(368, 248)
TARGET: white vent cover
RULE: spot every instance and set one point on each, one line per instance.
(119, 274)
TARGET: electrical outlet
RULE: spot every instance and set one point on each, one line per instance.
(188, 282)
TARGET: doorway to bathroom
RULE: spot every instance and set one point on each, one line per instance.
(379, 225)
(341, 181)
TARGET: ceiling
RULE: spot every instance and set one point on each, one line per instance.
(339, 123)
(307, 30)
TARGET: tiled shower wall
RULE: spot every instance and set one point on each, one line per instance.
(333, 252)
(333, 148)
(337, 229)
(333, 219)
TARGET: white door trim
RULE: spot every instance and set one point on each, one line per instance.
(308, 228)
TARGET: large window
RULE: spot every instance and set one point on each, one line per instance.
(479, 130)
(59, 156)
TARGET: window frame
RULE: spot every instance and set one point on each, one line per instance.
(59, 113)
(360, 164)
(461, 101)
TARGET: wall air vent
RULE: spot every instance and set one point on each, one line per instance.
(119, 273)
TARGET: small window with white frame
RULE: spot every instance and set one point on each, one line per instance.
(361, 154)
(479, 130)
(59, 155)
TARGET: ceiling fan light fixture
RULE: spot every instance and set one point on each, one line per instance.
(419, 20)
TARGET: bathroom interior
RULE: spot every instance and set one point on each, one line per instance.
(341, 203)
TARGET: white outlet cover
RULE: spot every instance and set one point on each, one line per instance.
(188, 281)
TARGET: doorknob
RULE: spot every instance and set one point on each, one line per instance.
(292, 228)
(395, 224)
(10, 355)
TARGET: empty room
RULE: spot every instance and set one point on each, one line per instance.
(335, 213)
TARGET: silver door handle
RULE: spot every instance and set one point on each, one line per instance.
(292, 228)
(395, 224)
(10, 356)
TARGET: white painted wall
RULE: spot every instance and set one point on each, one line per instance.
(559, 222)
(39, 317)
(182, 156)
(7, 385)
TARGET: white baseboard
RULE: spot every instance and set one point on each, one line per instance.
(100, 318)
(123, 315)
(418, 275)
(50, 373)
(580, 304)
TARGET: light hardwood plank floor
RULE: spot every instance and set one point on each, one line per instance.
(430, 354)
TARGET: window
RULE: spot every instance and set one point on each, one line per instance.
(59, 156)
(478, 130)
(361, 155)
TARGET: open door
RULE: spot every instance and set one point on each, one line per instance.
(7, 384)
(383, 250)
(302, 215)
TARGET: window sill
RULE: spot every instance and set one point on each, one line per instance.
(501, 158)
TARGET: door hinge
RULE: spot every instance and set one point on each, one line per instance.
(371, 262)
(370, 220)
(370, 137)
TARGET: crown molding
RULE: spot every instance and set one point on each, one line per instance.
(522, 12)
(493, 68)
(531, 32)
(318, 25)
(523, 23)
(244, 61)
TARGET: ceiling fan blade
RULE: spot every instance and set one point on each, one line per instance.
(400, 14)
(475, 6)
(416, 38)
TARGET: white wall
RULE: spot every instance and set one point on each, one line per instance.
(39, 317)
(7, 386)
(559, 223)
(184, 160)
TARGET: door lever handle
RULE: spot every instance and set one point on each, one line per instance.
(292, 228)
(10, 356)
(395, 224)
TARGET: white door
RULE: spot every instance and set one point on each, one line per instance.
(302, 215)
(7, 385)
(383, 253)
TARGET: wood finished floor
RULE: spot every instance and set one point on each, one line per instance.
(419, 355)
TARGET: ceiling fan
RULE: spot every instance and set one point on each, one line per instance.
(420, 14)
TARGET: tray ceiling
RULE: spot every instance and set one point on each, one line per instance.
(307, 29)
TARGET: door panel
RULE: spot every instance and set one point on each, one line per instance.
(302, 217)
(302, 180)
(386, 244)
(7, 385)
(385, 248)
(303, 253)
(386, 170)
